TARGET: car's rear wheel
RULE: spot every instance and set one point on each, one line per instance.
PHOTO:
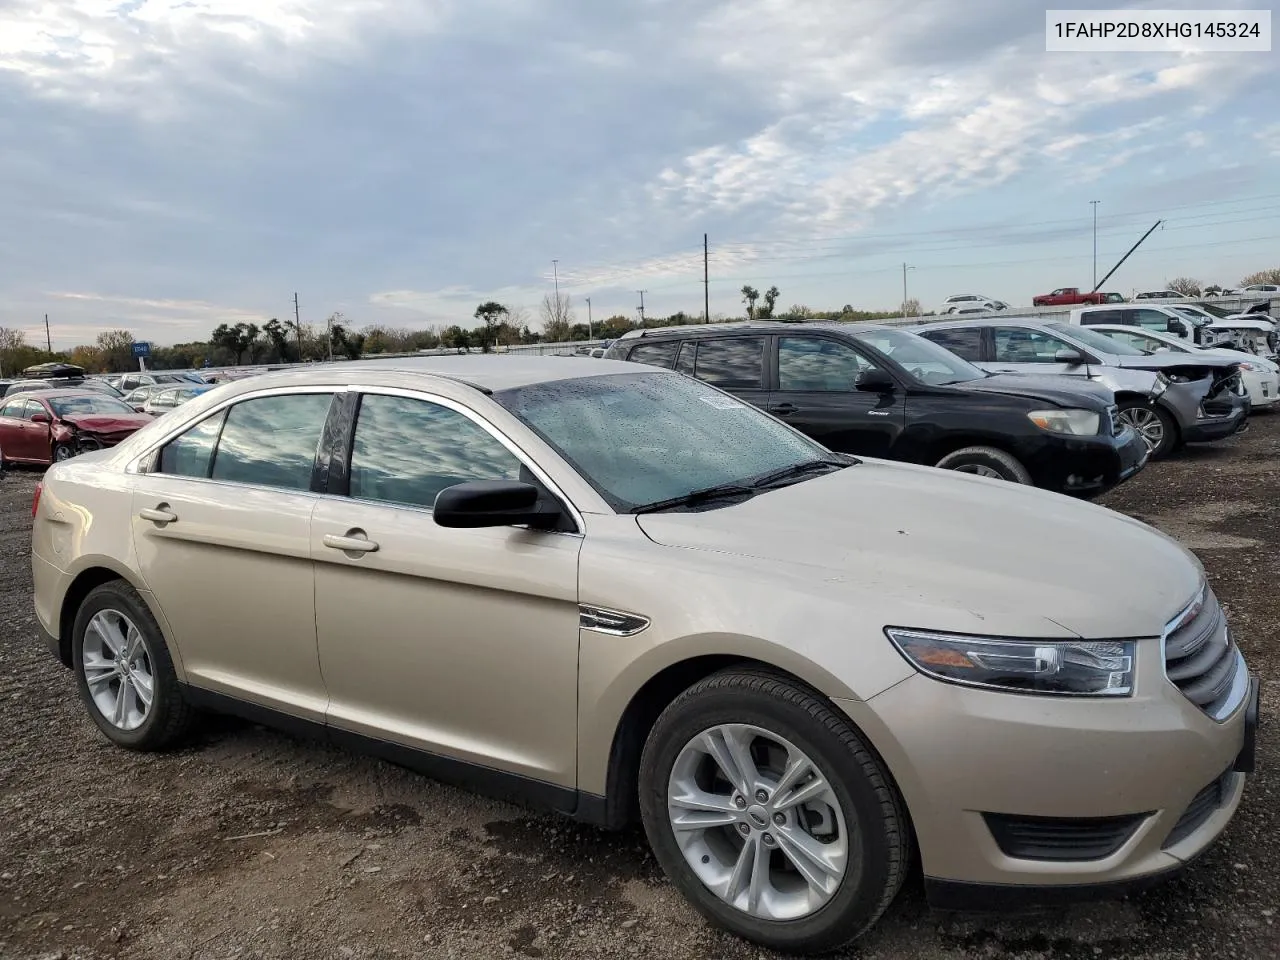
(769, 813)
(124, 671)
(1156, 427)
(986, 462)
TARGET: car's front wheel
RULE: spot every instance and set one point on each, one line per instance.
(124, 672)
(1156, 427)
(770, 814)
(986, 462)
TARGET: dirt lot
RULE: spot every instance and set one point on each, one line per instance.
(250, 844)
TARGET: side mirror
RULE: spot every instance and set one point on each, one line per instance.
(1072, 358)
(875, 380)
(492, 503)
(39, 418)
(1177, 326)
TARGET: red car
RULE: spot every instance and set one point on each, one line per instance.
(50, 425)
(1066, 297)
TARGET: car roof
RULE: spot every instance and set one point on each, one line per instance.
(746, 327)
(488, 372)
(56, 394)
(997, 320)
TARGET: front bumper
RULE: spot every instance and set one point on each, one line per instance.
(963, 757)
(1086, 465)
(1216, 428)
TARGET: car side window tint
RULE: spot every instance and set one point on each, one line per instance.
(817, 364)
(1091, 317)
(965, 343)
(1153, 320)
(1015, 345)
(34, 407)
(407, 451)
(272, 441)
(655, 354)
(684, 363)
(191, 453)
(13, 408)
(732, 363)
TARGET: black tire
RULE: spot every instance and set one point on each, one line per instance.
(981, 459)
(874, 813)
(62, 451)
(1171, 437)
(170, 717)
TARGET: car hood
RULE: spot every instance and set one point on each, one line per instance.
(1047, 389)
(1242, 322)
(107, 423)
(916, 546)
(1165, 361)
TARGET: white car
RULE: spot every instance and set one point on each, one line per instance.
(1261, 376)
(1262, 288)
(1252, 333)
(971, 302)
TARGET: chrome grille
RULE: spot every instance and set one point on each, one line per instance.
(1201, 659)
(1113, 419)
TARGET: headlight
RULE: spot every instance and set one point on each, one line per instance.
(1081, 423)
(1073, 668)
(1254, 367)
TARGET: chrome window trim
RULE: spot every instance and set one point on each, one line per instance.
(144, 462)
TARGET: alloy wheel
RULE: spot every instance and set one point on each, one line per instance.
(979, 470)
(1147, 423)
(118, 669)
(62, 452)
(757, 822)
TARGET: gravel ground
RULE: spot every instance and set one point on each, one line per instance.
(250, 844)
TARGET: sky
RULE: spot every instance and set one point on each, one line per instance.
(169, 165)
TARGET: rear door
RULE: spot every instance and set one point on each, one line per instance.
(16, 434)
(816, 395)
(221, 526)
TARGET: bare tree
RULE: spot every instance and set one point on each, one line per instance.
(1185, 286)
(1262, 276)
(911, 308)
(557, 317)
(11, 341)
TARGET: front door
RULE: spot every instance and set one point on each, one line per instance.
(460, 644)
(222, 531)
(734, 364)
(1026, 350)
(816, 395)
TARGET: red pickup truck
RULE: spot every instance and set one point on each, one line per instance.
(1067, 296)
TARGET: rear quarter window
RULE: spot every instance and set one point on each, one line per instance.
(662, 354)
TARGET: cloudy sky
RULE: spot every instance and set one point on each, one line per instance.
(167, 165)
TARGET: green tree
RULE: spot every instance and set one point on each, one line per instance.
(236, 340)
(454, 338)
(490, 313)
(749, 296)
(770, 301)
(278, 335)
(116, 348)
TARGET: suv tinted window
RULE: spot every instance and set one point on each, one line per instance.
(272, 441)
(732, 363)
(688, 350)
(965, 342)
(655, 354)
(1090, 317)
(817, 364)
(1150, 319)
(190, 454)
(407, 451)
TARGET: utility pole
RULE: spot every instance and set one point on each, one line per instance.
(706, 284)
(555, 272)
(1094, 204)
(641, 292)
(905, 268)
(588, 318)
(48, 340)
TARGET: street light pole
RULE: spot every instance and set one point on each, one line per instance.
(1094, 204)
(905, 268)
(588, 318)
(555, 272)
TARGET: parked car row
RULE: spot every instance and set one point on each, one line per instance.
(627, 594)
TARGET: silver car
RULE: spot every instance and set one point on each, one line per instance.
(1169, 399)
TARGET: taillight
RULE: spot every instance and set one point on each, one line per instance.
(35, 500)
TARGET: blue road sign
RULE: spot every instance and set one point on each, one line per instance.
(142, 349)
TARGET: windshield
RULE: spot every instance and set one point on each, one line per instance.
(1097, 341)
(79, 406)
(1194, 314)
(642, 438)
(921, 358)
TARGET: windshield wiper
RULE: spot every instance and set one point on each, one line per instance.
(724, 491)
(797, 470)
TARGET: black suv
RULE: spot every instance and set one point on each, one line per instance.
(883, 392)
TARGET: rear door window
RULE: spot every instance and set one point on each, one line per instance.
(965, 343)
(1090, 318)
(1017, 345)
(732, 363)
(662, 354)
(272, 441)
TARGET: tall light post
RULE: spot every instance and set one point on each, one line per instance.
(905, 268)
(588, 318)
(1094, 204)
(555, 272)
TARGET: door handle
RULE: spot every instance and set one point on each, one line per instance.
(159, 514)
(785, 408)
(349, 544)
